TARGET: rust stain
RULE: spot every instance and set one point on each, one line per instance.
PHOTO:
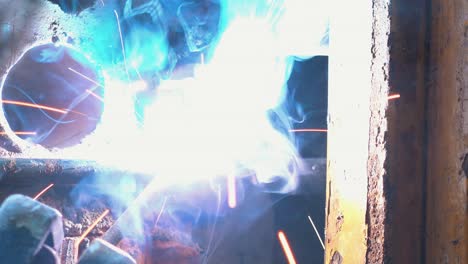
(339, 222)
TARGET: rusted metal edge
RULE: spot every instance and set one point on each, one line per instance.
(21, 171)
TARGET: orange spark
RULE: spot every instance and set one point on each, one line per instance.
(231, 190)
(321, 130)
(393, 96)
(2, 133)
(44, 107)
(91, 227)
(95, 95)
(286, 248)
(43, 191)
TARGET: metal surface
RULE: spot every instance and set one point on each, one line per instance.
(46, 255)
(15, 172)
(100, 252)
(69, 251)
(25, 227)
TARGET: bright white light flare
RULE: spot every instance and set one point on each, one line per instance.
(215, 123)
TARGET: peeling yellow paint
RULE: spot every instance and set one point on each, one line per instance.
(348, 132)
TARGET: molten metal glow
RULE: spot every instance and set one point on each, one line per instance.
(286, 248)
(316, 231)
(231, 190)
(321, 130)
(91, 227)
(43, 191)
(22, 133)
(393, 96)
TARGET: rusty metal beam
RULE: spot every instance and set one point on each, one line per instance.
(403, 181)
(409, 204)
(446, 181)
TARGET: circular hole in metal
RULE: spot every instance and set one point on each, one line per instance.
(51, 96)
